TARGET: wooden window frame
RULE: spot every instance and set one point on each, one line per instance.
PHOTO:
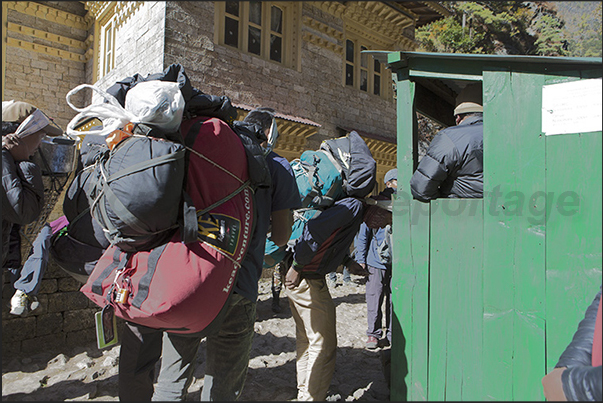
(368, 68)
(107, 23)
(288, 23)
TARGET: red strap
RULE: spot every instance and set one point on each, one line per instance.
(596, 355)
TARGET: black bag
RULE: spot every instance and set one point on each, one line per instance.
(358, 167)
(136, 191)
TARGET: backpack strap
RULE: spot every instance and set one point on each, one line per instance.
(97, 286)
(188, 226)
(145, 281)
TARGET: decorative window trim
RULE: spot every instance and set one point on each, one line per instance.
(290, 35)
(363, 64)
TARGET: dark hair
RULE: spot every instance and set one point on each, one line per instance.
(9, 127)
(262, 116)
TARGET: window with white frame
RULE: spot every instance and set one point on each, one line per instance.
(261, 28)
(362, 71)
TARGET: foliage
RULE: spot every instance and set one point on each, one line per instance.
(495, 27)
(583, 27)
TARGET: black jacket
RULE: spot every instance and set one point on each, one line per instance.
(582, 381)
(453, 165)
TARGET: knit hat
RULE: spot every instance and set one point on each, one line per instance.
(30, 119)
(390, 175)
(469, 99)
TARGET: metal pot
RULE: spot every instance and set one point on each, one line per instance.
(56, 155)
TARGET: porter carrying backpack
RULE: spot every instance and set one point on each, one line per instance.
(181, 287)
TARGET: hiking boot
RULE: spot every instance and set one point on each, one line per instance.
(372, 343)
(22, 303)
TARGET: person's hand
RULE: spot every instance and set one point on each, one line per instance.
(553, 387)
(292, 279)
(356, 268)
(10, 141)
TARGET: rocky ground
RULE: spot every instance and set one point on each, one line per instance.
(90, 374)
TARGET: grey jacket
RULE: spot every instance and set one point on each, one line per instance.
(22, 196)
(581, 381)
(453, 165)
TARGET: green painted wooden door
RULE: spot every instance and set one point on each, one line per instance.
(487, 293)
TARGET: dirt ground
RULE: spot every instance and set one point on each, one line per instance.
(90, 374)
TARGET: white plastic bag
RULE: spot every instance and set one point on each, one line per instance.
(158, 103)
(112, 114)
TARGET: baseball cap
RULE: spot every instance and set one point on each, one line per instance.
(469, 99)
(30, 119)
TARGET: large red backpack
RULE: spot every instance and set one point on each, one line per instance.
(178, 287)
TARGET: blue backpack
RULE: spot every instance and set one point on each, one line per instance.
(320, 184)
(274, 254)
(318, 178)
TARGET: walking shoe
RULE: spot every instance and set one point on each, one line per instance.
(22, 303)
(372, 343)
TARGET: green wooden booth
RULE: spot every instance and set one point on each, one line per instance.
(488, 292)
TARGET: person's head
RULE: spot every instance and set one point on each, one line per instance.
(391, 178)
(29, 124)
(469, 102)
(261, 116)
(264, 118)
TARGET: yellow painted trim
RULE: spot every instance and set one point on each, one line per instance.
(34, 47)
(323, 28)
(4, 36)
(48, 13)
(46, 35)
(323, 43)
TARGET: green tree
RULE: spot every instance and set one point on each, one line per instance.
(495, 27)
(587, 41)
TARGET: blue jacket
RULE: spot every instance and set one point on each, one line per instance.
(326, 238)
(368, 240)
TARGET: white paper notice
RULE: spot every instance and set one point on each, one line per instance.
(573, 107)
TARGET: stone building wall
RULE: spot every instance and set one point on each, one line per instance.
(45, 54)
(140, 44)
(316, 92)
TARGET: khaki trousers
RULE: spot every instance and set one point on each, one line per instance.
(316, 337)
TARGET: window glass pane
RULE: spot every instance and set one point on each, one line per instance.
(254, 43)
(232, 7)
(363, 57)
(276, 44)
(349, 74)
(255, 12)
(377, 66)
(276, 20)
(363, 80)
(349, 51)
(231, 32)
(377, 89)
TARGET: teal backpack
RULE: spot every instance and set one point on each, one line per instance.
(318, 178)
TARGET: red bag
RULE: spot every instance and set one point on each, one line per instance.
(181, 287)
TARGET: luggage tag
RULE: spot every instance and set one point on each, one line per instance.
(106, 327)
